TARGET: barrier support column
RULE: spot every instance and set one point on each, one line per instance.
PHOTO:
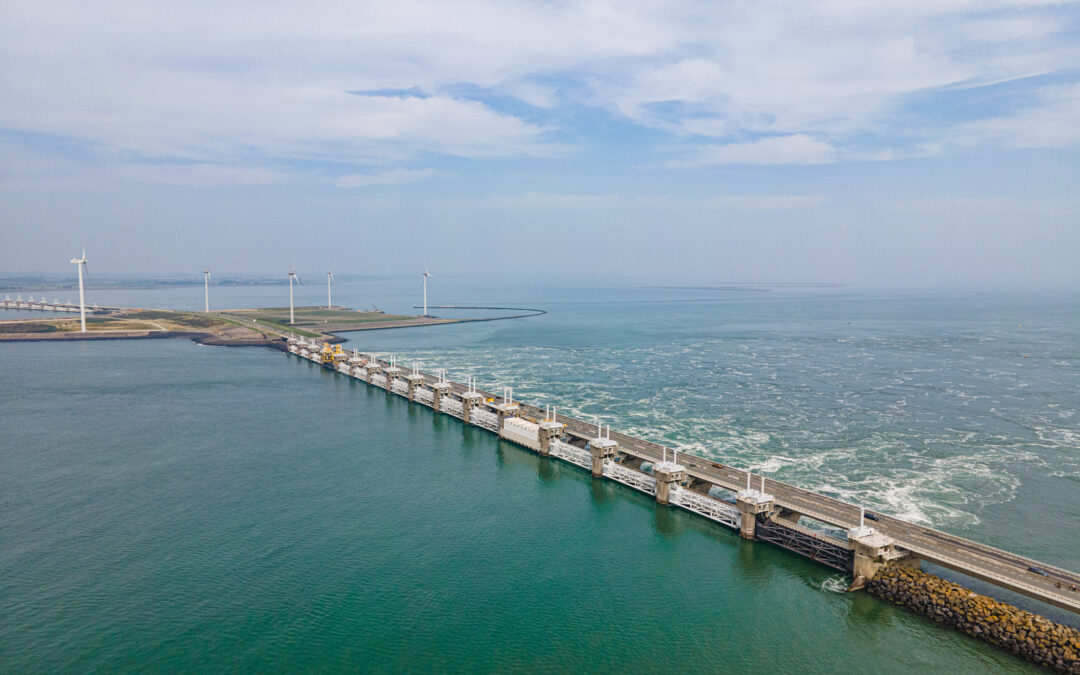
(373, 369)
(468, 400)
(504, 410)
(392, 372)
(415, 380)
(438, 390)
(601, 449)
(549, 430)
(751, 503)
(872, 551)
(667, 474)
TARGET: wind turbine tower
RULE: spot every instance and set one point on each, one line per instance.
(206, 283)
(292, 276)
(426, 275)
(81, 262)
(329, 278)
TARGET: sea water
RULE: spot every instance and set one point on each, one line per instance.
(167, 506)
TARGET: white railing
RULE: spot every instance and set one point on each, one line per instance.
(713, 509)
(400, 387)
(811, 532)
(424, 395)
(484, 418)
(572, 454)
(360, 372)
(635, 479)
(451, 406)
(378, 380)
(343, 368)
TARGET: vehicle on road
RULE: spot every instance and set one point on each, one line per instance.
(1037, 570)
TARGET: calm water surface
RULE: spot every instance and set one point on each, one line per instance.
(173, 507)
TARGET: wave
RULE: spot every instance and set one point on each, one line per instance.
(903, 426)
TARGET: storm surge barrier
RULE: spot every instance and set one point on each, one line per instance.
(834, 533)
(43, 305)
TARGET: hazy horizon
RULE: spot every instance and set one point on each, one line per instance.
(317, 280)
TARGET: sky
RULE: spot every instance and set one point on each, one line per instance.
(914, 143)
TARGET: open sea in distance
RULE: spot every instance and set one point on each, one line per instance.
(170, 507)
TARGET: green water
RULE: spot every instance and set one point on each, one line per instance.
(169, 507)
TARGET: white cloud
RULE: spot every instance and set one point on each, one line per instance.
(1053, 121)
(533, 94)
(246, 81)
(199, 175)
(391, 177)
(834, 70)
(795, 149)
(215, 83)
(208, 119)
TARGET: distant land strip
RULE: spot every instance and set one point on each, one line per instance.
(531, 311)
(235, 328)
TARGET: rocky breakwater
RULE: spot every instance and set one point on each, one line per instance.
(1027, 635)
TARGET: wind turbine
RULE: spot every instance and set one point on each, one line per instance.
(426, 275)
(206, 280)
(329, 278)
(292, 275)
(81, 262)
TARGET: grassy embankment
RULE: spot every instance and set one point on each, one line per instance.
(310, 321)
(186, 321)
(312, 318)
(145, 320)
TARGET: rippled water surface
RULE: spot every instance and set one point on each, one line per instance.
(174, 507)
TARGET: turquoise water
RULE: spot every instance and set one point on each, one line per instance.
(174, 507)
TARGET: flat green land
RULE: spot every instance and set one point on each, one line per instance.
(227, 326)
(314, 316)
(127, 321)
(134, 320)
(318, 319)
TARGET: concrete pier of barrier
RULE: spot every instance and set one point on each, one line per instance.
(372, 369)
(667, 475)
(602, 450)
(752, 503)
(505, 410)
(392, 372)
(549, 431)
(415, 380)
(439, 391)
(872, 551)
(469, 401)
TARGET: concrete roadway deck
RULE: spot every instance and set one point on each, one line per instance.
(941, 548)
